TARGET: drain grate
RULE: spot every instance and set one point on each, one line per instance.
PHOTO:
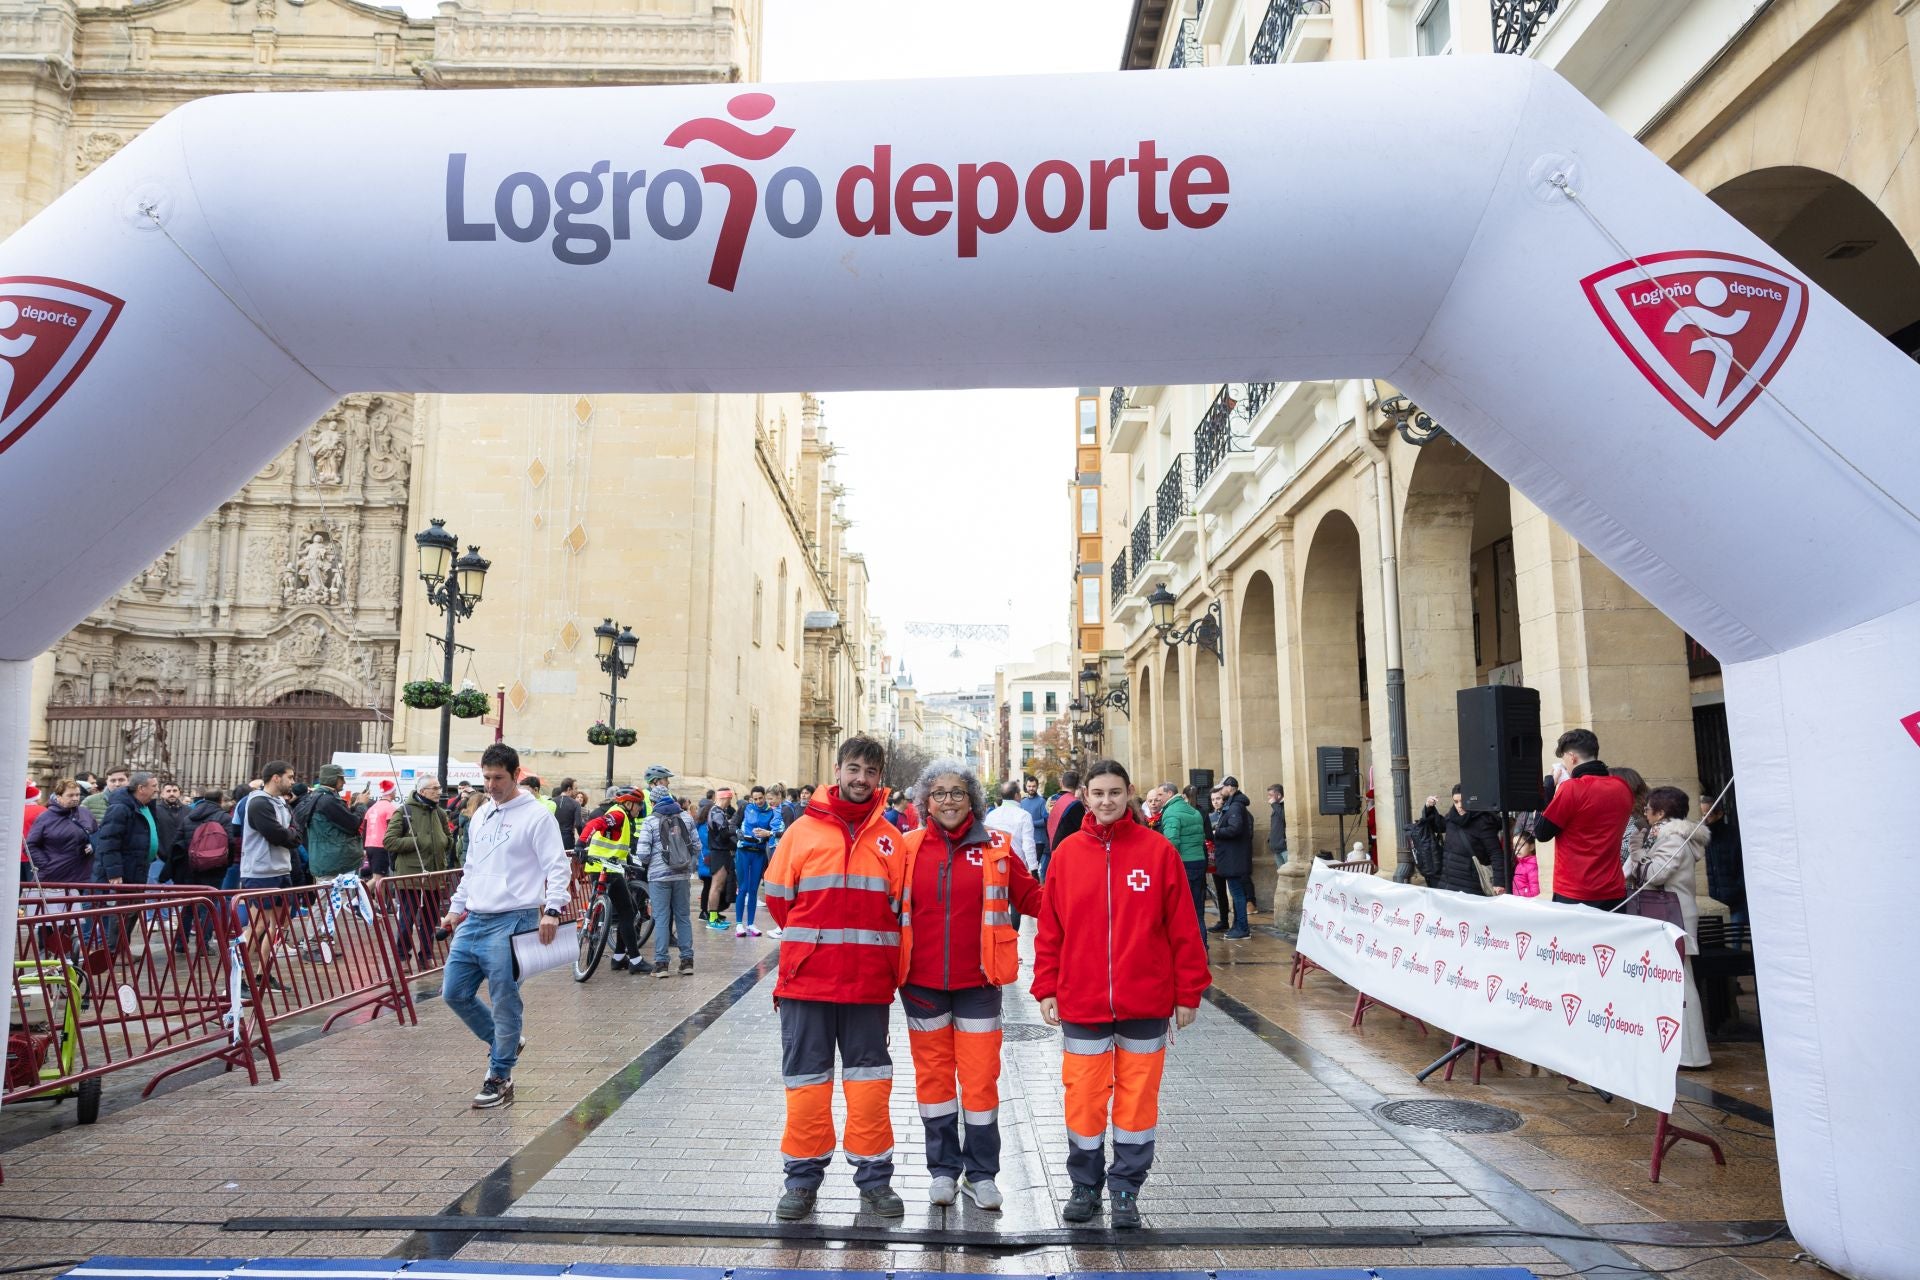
(1450, 1114)
(1019, 1031)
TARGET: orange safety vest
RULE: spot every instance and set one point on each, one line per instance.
(999, 944)
(835, 893)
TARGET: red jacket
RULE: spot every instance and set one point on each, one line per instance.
(1118, 935)
(948, 894)
(835, 893)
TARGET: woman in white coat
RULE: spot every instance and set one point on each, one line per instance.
(1670, 860)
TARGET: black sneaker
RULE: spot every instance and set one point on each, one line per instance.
(619, 964)
(494, 1093)
(660, 970)
(796, 1203)
(1125, 1214)
(884, 1201)
(686, 966)
(1081, 1205)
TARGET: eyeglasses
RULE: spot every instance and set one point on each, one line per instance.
(949, 797)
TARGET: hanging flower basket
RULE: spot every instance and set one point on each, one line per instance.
(469, 704)
(425, 695)
(598, 735)
(625, 737)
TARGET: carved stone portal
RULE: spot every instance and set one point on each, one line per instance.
(317, 574)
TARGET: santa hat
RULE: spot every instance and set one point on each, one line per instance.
(33, 792)
(386, 786)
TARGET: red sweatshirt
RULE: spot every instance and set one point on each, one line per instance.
(949, 882)
(1118, 935)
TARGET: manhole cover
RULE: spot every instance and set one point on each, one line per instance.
(1453, 1115)
(1026, 1031)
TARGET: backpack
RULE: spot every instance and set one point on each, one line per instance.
(1427, 852)
(676, 846)
(207, 850)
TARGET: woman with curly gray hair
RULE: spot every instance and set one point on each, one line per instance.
(963, 884)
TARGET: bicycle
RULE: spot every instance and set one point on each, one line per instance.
(595, 924)
(30, 1041)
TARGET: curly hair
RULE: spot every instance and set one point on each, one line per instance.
(976, 794)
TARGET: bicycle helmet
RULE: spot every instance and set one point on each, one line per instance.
(658, 773)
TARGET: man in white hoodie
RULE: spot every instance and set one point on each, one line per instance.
(516, 880)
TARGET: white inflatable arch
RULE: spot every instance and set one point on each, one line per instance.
(1734, 443)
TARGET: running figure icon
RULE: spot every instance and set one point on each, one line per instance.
(9, 349)
(1709, 293)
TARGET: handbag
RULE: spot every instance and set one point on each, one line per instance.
(1655, 904)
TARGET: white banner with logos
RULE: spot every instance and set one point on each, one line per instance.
(1592, 995)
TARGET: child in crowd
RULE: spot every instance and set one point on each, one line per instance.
(1526, 870)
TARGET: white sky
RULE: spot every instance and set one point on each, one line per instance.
(971, 450)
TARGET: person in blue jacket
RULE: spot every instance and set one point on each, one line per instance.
(758, 827)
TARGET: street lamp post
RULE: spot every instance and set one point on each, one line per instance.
(616, 646)
(1115, 697)
(1205, 631)
(454, 587)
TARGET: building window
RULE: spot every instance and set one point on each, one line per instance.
(1433, 29)
(1089, 602)
(780, 636)
(753, 746)
(757, 610)
(1053, 701)
(1026, 726)
(1089, 511)
(1089, 421)
(799, 628)
(1026, 699)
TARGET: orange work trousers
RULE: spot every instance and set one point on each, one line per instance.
(955, 1037)
(811, 1033)
(1112, 1071)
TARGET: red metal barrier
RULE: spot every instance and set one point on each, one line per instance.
(416, 905)
(122, 981)
(313, 948)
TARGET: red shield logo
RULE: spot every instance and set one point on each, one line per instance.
(1359, 941)
(1493, 987)
(1418, 919)
(1396, 957)
(1439, 971)
(1571, 1005)
(1667, 1029)
(1376, 906)
(1520, 943)
(1465, 929)
(49, 330)
(1912, 725)
(1603, 956)
(1708, 330)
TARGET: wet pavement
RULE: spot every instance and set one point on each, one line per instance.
(656, 1106)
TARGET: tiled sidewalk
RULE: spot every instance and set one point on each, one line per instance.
(1255, 1134)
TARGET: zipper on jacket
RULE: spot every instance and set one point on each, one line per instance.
(946, 914)
(1113, 1004)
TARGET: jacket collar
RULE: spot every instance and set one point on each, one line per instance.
(1113, 832)
(1592, 769)
(976, 833)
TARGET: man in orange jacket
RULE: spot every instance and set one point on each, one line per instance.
(835, 890)
(963, 884)
(1118, 953)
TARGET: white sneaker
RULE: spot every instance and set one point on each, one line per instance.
(983, 1193)
(943, 1191)
(739, 931)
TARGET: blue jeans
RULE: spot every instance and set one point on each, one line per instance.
(672, 913)
(482, 948)
(1237, 887)
(1280, 857)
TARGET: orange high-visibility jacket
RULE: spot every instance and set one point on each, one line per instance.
(835, 893)
(999, 944)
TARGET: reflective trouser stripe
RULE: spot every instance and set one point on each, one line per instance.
(1131, 1045)
(990, 1116)
(1130, 1136)
(1088, 1048)
(869, 1134)
(862, 1075)
(976, 1026)
(1086, 1143)
(1088, 1077)
(809, 1133)
(939, 1110)
(1136, 1089)
(811, 1078)
(940, 1023)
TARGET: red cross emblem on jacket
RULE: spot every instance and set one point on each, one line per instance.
(1138, 880)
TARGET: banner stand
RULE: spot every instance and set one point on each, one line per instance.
(1364, 1002)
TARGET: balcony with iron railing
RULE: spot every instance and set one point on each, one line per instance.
(1142, 545)
(1126, 421)
(1187, 49)
(1176, 522)
(1517, 23)
(1118, 579)
(1277, 27)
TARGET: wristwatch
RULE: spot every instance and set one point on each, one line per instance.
(552, 913)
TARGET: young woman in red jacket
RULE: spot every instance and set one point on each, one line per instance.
(1119, 953)
(964, 884)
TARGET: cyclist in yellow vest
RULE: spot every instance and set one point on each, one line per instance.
(609, 846)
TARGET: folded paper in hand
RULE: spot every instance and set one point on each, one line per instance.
(531, 956)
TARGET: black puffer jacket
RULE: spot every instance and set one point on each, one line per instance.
(1467, 838)
(1233, 837)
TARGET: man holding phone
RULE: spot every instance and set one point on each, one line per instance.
(516, 881)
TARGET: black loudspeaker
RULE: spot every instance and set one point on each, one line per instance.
(1500, 748)
(1201, 778)
(1339, 780)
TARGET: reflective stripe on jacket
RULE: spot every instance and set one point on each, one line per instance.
(993, 959)
(835, 893)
